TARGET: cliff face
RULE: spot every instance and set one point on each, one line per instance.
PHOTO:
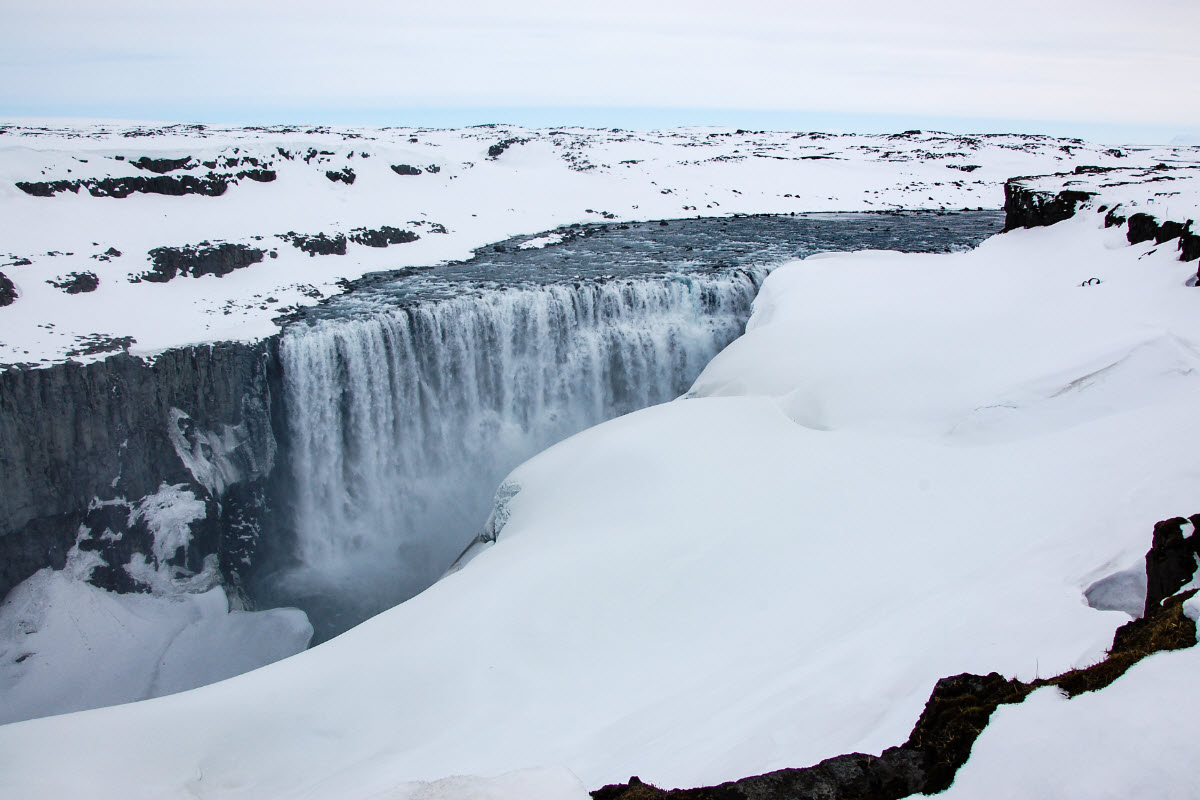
(1025, 207)
(1032, 202)
(80, 445)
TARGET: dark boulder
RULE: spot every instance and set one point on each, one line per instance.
(1142, 228)
(8, 292)
(405, 169)
(161, 165)
(47, 188)
(197, 260)
(76, 282)
(1171, 560)
(317, 244)
(382, 237)
(345, 175)
(1029, 208)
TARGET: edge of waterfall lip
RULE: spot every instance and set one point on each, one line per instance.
(430, 283)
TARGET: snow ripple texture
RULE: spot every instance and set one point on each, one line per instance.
(402, 423)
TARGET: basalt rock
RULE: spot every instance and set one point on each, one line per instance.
(1142, 228)
(1171, 560)
(76, 439)
(317, 244)
(8, 291)
(161, 165)
(197, 260)
(76, 282)
(382, 237)
(1027, 208)
(211, 184)
(405, 169)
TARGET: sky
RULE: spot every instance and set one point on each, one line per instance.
(1110, 70)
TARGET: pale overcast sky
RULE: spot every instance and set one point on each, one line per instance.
(1105, 68)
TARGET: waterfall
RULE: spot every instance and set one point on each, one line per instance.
(402, 423)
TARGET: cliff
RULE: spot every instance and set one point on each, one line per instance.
(80, 444)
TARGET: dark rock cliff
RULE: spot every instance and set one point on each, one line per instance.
(1029, 208)
(1025, 207)
(80, 445)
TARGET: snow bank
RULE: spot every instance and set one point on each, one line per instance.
(67, 646)
(910, 467)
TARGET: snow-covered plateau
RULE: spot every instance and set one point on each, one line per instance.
(910, 465)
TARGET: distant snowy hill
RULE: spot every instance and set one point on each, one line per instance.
(910, 466)
(150, 237)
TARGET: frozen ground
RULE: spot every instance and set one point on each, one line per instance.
(455, 189)
(909, 467)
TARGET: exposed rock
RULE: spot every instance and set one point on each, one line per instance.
(197, 260)
(73, 437)
(76, 282)
(161, 165)
(8, 292)
(94, 343)
(405, 169)
(382, 237)
(496, 150)
(259, 175)
(345, 175)
(1027, 208)
(47, 188)
(1189, 245)
(1142, 228)
(317, 244)
(209, 185)
(1171, 560)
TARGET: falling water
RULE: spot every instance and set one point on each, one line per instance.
(402, 423)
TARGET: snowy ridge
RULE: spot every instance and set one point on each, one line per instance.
(292, 199)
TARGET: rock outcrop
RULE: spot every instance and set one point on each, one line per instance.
(80, 445)
(1030, 208)
(202, 259)
(1037, 201)
(209, 185)
(8, 291)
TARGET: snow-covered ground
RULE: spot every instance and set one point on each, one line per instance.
(910, 466)
(455, 189)
(66, 645)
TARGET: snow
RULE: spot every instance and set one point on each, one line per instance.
(911, 466)
(549, 177)
(67, 646)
